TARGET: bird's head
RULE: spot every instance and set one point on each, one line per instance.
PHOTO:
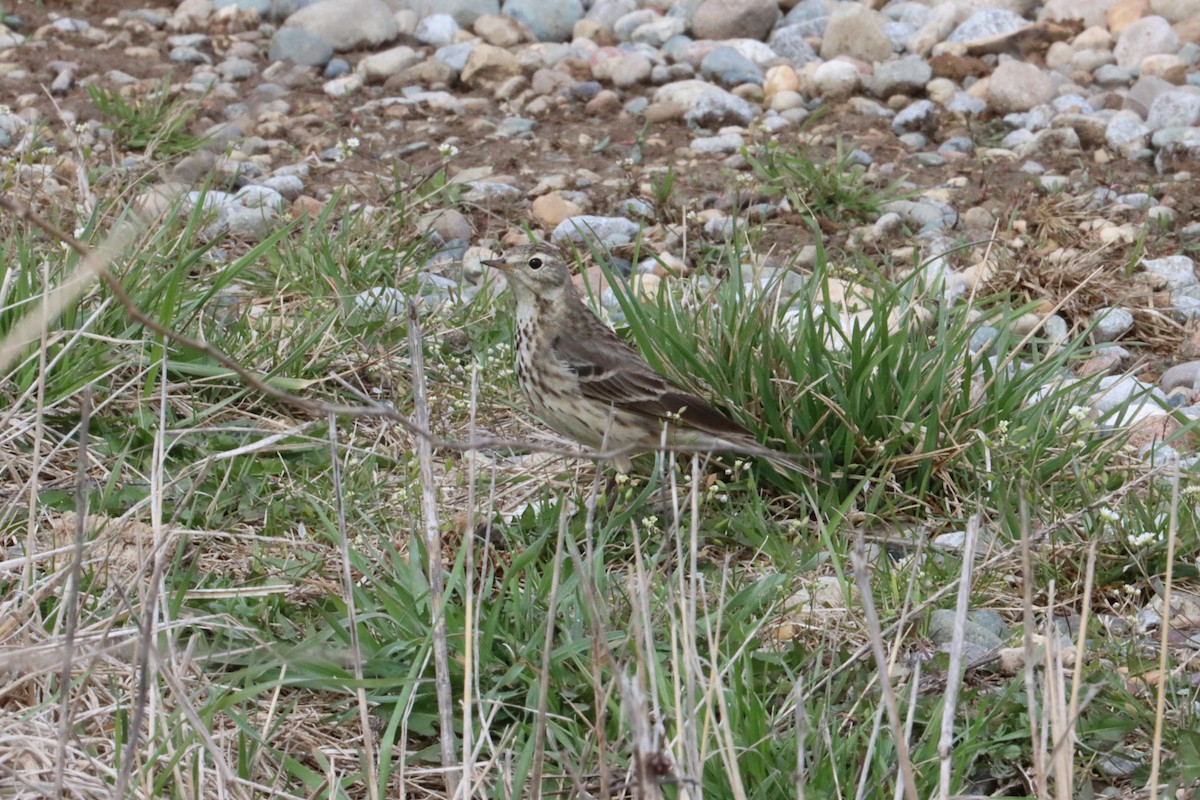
(534, 270)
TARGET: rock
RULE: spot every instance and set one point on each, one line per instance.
(1018, 86)
(465, 12)
(378, 67)
(1111, 324)
(727, 66)
(1126, 133)
(1176, 109)
(836, 80)
(704, 105)
(502, 31)
(1180, 376)
(735, 19)
(305, 48)
(1092, 13)
(1175, 10)
(1145, 37)
(919, 116)
(448, 223)
(986, 27)
(778, 79)
(436, 30)
(549, 20)
(902, 76)
(857, 31)
(607, 231)
(347, 24)
(552, 208)
(790, 43)
(1174, 272)
(489, 66)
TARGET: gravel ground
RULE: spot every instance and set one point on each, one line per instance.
(1069, 130)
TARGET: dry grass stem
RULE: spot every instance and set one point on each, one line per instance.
(433, 545)
(954, 672)
(858, 559)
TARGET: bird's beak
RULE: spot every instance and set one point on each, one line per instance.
(496, 263)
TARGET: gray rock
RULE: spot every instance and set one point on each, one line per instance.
(1144, 92)
(491, 192)
(987, 24)
(347, 24)
(336, 68)
(378, 67)
(790, 43)
(1134, 399)
(1126, 132)
(550, 20)
(724, 143)
(436, 29)
(857, 31)
(1145, 37)
(811, 15)
(729, 67)
(1111, 324)
(258, 196)
(260, 7)
(1183, 376)
(185, 54)
(455, 55)
(716, 108)
(1177, 272)
(289, 187)
(924, 214)
(902, 76)
(384, 301)
(837, 79)
(735, 19)
(301, 47)
(919, 116)
(966, 105)
(585, 228)
(1174, 109)
(465, 12)
(515, 128)
(607, 12)
(941, 630)
(659, 31)
(237, 69)
(1110, 75)
(1018, 86)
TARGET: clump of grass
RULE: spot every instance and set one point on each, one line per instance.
(834, 189)
(155, 123)
(892, 392)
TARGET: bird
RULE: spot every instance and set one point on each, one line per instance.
(588, 384)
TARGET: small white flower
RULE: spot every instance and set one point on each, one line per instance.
(1130, 590)
(1078, 413)
(1108, 515)
(1144, 538)
(346, 149)
(447, 150)
(81, 127)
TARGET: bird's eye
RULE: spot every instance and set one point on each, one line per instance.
(535, 263)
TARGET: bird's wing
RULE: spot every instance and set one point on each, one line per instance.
(611, 372)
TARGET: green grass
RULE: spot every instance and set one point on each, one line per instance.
(673, 607)
(156, 124)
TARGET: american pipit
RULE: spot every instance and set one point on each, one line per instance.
(587, 384)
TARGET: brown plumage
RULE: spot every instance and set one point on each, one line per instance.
(588, 384)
